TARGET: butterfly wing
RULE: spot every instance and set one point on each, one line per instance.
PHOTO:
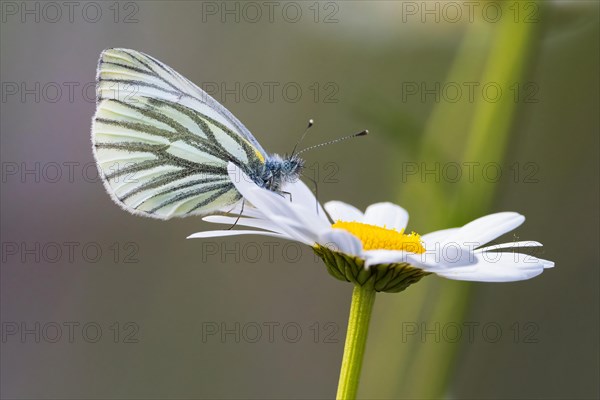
(162, 144)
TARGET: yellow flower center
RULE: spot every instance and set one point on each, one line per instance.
(378, 238)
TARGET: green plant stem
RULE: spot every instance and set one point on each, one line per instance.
(363, 298)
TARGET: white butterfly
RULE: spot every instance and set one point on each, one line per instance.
(162, 144)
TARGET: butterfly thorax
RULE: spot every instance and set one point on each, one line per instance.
(278, 170)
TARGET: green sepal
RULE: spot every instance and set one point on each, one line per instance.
(389, 278)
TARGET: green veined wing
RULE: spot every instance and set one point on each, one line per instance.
(162, 144)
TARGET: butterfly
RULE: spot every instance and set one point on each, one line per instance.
(162, 144)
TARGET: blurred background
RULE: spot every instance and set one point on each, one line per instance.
(473, 108)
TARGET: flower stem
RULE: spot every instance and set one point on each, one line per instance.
(363, 298)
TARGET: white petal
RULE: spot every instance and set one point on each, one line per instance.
(302, 196)
(425, 262)
(375, 257)
(279, 209)
(340, 211)
(443, 257)
(209, 234)
(547, 263)
(389, 215)
(251, 222)
(511, 245)
(279, 215)
(485, 229)
(297, 229)
(437, 237)
(498, 267)
(341, 241)
(249, 210)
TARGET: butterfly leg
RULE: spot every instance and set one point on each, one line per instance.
(284, 193)
(239, 215)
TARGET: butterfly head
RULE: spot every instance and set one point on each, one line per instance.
(280, 170)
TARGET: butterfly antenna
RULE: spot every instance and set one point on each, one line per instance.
(310, 124)
(363, 133)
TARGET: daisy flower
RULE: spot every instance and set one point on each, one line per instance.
(372, 247)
